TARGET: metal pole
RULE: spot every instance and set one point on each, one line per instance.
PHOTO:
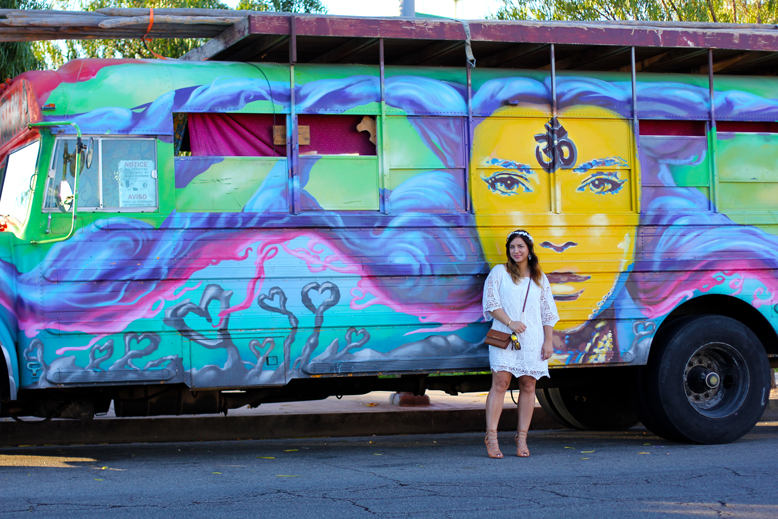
(635, 135)
(553, 81)
(291, 134)
(469, 139)
(556, 199)
(712, 139)
(382, 139)
(408, 8)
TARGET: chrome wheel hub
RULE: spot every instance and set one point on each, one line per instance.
(716, 380)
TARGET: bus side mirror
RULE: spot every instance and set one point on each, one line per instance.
(64, 195)
(90, 150)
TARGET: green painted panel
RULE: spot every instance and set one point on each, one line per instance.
(753, 196)
(398, 176)
(610, 77)
(117, 85)
(229, 185)
(343, 183)
(405, 147)
(700, 80)
(747, 157)
(112, 86)
(448, 74)
(766, 87)
(766, 221)
(747, 168)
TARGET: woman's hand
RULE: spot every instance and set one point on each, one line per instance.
(517, 326)
(547, 351)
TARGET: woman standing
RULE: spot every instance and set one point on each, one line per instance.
(505, 292)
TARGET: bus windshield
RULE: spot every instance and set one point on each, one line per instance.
(16, 180)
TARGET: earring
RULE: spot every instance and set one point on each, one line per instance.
(529, 257)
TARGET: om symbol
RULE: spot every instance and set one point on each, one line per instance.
(555, 149)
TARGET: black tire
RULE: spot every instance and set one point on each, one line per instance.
(646, 407)
(707, 381)
(640, 397)
(605, 408)
(548, 406)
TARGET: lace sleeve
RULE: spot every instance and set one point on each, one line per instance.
(548, 312)
(492, 293)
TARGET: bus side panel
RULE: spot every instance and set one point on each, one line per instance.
(250, 276)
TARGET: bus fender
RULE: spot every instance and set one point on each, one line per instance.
(9, 373)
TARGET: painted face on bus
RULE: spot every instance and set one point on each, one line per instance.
(582, 214)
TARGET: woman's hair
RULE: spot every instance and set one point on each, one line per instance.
(535, 271)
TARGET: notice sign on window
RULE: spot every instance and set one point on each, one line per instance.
(137, 185)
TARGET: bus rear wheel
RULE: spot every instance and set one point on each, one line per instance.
(588, 409)
(707, 381)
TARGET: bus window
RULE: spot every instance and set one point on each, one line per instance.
(123, 176)
(62, 170)
(227, 135)
(20, 167)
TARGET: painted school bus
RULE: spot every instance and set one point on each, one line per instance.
(176, 230)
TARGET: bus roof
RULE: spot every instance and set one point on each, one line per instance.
(676, 47)
(660, 46)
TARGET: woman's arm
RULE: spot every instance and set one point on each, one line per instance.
(548, 343)
(515, 326)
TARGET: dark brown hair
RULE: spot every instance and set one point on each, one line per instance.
(535, 272)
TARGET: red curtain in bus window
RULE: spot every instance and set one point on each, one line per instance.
(234, 135)
(335, 135)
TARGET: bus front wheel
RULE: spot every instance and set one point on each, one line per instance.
(707, 381)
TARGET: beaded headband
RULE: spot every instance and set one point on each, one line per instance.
(519, 233)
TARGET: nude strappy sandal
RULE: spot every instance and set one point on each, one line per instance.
(492, 444)
(522, 450)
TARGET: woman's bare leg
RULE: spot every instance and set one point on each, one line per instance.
(494, 403)
(526, 408)
(501, 380)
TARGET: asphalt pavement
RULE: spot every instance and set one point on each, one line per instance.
(630, 474)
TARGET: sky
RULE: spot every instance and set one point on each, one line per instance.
(467, 9)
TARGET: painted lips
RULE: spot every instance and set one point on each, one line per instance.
(560, 278)
(558, 248)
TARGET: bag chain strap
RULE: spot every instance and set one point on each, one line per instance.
(526, 297)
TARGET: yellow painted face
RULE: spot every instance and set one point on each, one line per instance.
(583, 216)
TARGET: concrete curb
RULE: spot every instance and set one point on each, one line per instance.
(273, 426)
(220, 428)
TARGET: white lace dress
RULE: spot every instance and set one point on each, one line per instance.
(501, 292)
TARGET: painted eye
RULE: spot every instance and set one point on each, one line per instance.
(507, 183)
(602, 183)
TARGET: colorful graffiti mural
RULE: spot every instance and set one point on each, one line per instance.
(246, 270)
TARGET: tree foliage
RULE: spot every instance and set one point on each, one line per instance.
(722, 11)
(57, 53)
(284, 6)
(17, 57)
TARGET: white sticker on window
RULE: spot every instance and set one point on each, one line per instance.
(137, 187)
